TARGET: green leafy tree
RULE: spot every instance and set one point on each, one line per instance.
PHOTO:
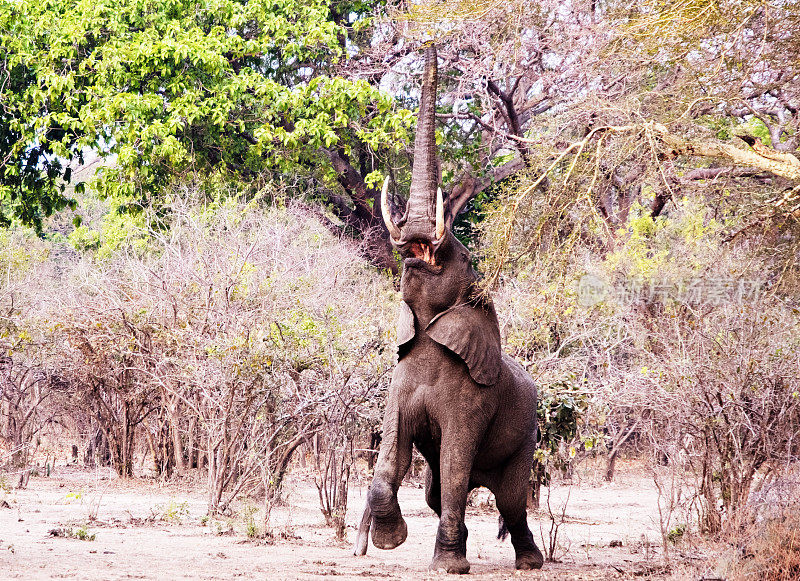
(30, 172)
(172, 90)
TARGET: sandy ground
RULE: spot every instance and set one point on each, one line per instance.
(146, 530)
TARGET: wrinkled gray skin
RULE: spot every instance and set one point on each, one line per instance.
(467, 407)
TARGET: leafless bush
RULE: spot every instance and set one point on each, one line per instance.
(26, 410)
(554, 548)
(223, 344)
(768, 545)
(108, 361)
(728, 392)
(32, 391)
(348, 414)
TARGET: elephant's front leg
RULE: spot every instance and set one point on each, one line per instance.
(456, 459)
(388, 526)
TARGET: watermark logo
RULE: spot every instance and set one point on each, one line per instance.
(593, 290)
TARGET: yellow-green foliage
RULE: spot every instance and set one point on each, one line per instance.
(84, 238)
(123, 230)
(117, 231)
(21, 250)
(664, 248)
(173, 511)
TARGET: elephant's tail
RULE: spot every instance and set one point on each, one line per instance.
(503, 532)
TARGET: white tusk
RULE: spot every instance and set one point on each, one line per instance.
(394, 231)
(439, 214)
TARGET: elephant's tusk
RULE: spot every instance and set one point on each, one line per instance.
(394, 231)
(439, 214)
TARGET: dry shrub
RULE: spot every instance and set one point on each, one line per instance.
(725, 392)
(32, 391)
(688, 351)
(768, 543)
(774, 553)
(222, 343)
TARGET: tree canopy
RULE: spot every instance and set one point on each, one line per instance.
(174, 90)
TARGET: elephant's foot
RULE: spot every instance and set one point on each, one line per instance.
(527, 560)
(451, 563)
(389, 530)
(389, 535)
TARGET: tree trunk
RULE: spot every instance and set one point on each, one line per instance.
(98, 451)
(537, 479)
(153, 454)
(612, 457)
(193, 444)
(611, 465)
(372, 455)
(177, 448)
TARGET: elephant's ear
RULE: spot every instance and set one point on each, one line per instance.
(405, 329)
(472, 333)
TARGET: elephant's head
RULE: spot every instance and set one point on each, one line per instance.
(438, 282)
(436, 266)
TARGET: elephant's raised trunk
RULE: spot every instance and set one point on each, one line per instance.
(424, 217)
(425, 173)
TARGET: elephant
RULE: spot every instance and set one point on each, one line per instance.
(466, 406)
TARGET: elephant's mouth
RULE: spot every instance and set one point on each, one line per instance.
(423, 251)
(422, 255)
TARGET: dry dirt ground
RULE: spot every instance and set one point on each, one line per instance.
(145, 530)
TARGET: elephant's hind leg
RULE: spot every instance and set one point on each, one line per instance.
(510, 494)
(433, 490)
